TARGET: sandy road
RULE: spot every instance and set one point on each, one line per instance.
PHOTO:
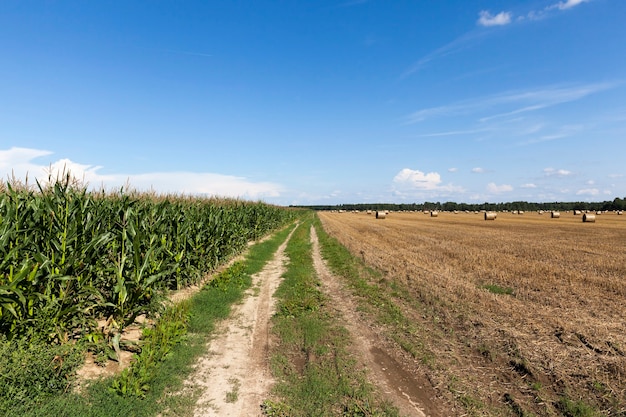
(234, 376)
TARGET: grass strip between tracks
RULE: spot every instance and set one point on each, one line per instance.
(162, 378)
(316, 374)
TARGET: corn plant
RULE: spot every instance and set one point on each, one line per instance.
(69, 256)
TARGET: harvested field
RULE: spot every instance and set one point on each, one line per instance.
(524, 314)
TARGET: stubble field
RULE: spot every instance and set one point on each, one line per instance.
(523, 315)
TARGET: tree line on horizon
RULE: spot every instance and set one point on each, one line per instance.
(616, 204)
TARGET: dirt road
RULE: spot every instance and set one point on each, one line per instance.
(234, 376)
(398, 386)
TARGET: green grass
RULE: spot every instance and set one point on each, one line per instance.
(233, 395)
(578, 408)
(316, 376)
(165, 375)
(497, 289)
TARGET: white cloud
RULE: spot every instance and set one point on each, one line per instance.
(529, 185)
(568, 4)
(539, 99)
(518, 102)
(453, 169)
(545, 12)
(551, 172)
(418, 179)
(424, 114)
(203, 183)
(17, 156)
(412, 184)
(85, 173)
(560, 133)
(20, 161)
(493, 188)
(500, 19)
(306, 198)
(486, 19)
(478, 170)
(588, 191)
(459, 44)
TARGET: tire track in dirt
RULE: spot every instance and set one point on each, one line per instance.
(234, 376)
(398, 385)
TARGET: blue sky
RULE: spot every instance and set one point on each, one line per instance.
(324, 102)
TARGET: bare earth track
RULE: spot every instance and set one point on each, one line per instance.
(234, 377)
(406, 391)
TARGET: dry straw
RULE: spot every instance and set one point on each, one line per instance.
(381, 214)
(589, 218)
(490, 215)
(434, 213)
(556, 214)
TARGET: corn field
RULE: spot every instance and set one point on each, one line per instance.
(69, 256)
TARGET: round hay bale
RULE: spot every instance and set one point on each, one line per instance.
(381, 214)
(589, 218)
(577, 212)
(434, 213)
(619, 213)
(555, 215)
(490, 215)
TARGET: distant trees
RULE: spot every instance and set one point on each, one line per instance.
(616, 204)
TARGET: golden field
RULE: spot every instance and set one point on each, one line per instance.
(525, 313)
